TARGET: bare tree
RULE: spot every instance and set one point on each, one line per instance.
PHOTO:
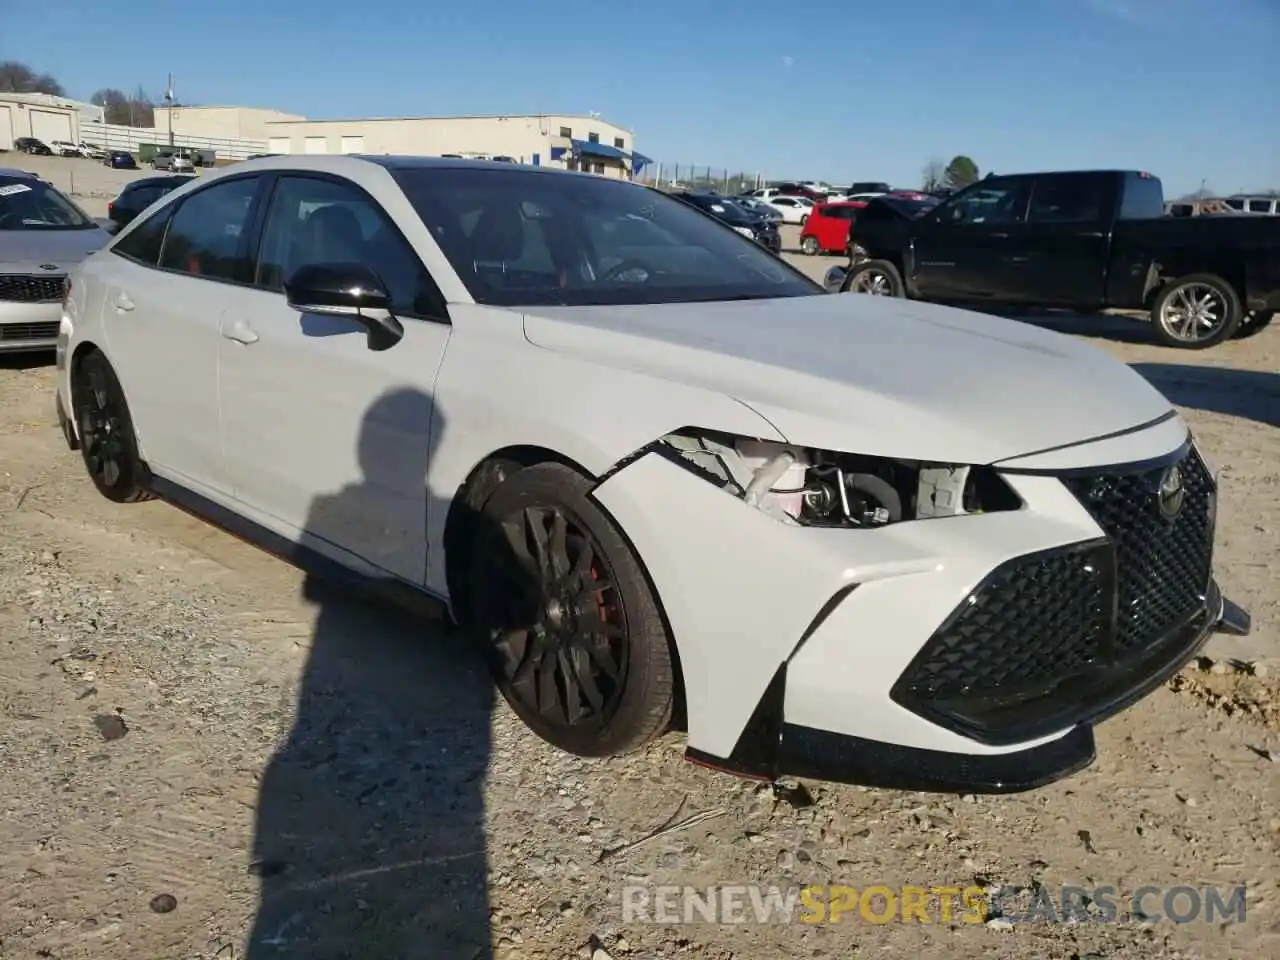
(934, 176)
(17, 77)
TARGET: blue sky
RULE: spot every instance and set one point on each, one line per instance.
(1189, 89)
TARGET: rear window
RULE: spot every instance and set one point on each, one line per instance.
(1143, 198)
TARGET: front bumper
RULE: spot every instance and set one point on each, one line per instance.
(29, 326)
(941, 654)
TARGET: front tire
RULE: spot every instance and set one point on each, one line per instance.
(879, 278)
(108, 444)
(1196, 312)
(809, 246)
(569, 623)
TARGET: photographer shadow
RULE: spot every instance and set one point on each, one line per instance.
(370, 835)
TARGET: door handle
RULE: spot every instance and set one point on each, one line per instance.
(240, 332)
(122, 302)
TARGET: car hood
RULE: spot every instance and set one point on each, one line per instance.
(23, 251)
(873, 375)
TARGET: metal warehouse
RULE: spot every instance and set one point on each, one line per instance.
(43, 116)
(585, 143)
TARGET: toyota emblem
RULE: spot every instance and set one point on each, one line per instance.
(48, 266)
(1172, 493)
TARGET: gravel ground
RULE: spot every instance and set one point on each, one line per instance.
(205, 755)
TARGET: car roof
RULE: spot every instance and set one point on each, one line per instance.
(15, 172)
(163, 178)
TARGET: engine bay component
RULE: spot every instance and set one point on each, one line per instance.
(826, 489)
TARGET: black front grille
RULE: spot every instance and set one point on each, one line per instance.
(29, 289)
(1163, 564)
(12, 332)
(1053, 638)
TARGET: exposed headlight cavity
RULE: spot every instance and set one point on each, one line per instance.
(822, 488)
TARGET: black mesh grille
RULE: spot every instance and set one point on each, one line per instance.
(1163, 564)
(10, 332)
(25, 289)
(1051, 638)
(1036, 620)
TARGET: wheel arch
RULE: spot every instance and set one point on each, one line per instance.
(479, 485)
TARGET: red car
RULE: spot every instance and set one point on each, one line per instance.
(827, 229)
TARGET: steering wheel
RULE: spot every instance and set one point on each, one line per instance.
(626, 266)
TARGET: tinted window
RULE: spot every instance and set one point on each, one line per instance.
(139, 198)
(597, 250)
(1259, 206)
(206, 237)
(1235, 203)
(143, 242)
(311, 220)
(1143, 198)
(1067, 198)
(992, 201)
(30, 204)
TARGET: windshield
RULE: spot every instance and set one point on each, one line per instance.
(30, 204)
(526, 238)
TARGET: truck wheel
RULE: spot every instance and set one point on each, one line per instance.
(809, 246)
(1196, 312)
(1254, 323)
(880, 278)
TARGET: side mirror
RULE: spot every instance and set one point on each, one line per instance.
(349, 290)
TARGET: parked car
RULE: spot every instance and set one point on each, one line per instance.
(827, 229)
(137, 195)
(32, 146)
(175, 161)
(1085, 240)
(759, 228)
(871, 187)
(64, 148)
(644, 462)
(794, 209)
(120, 160)
(43, 234)
(93, 151)
(1267, 206)
(758, 207)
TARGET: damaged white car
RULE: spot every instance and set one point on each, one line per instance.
(664, 478)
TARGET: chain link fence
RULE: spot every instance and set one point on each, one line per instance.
(699, 177)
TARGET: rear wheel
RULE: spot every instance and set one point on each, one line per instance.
(809, 245)
(570, 626)
(1196, 312)
(107, 441)
(880, 278)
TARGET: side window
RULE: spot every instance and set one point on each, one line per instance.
(1235, 203)
(314, 220)
(992, 202)
(1259, 206)
(1067, 199)
(143, 197)
(142, 244)
(206, 236)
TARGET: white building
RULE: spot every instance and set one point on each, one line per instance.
(582, 143)
(220, 123)
(43, 116)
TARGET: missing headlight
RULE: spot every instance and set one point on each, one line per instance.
(825, 489)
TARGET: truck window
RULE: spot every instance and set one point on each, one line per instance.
(1068, 198)
(992, 201)
(1143, 197)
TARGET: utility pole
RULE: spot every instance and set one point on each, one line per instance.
(168, 97)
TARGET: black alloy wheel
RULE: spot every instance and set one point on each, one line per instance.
(107, 441)
(571, 631)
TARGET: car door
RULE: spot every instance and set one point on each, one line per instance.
(965, 249)
(1062, 249)
(164, 298)
(832, 226)
(326, 440)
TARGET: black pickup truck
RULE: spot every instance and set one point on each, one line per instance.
(1087, 240)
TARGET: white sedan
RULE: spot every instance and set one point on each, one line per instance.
(793, 209)
(652, 469)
